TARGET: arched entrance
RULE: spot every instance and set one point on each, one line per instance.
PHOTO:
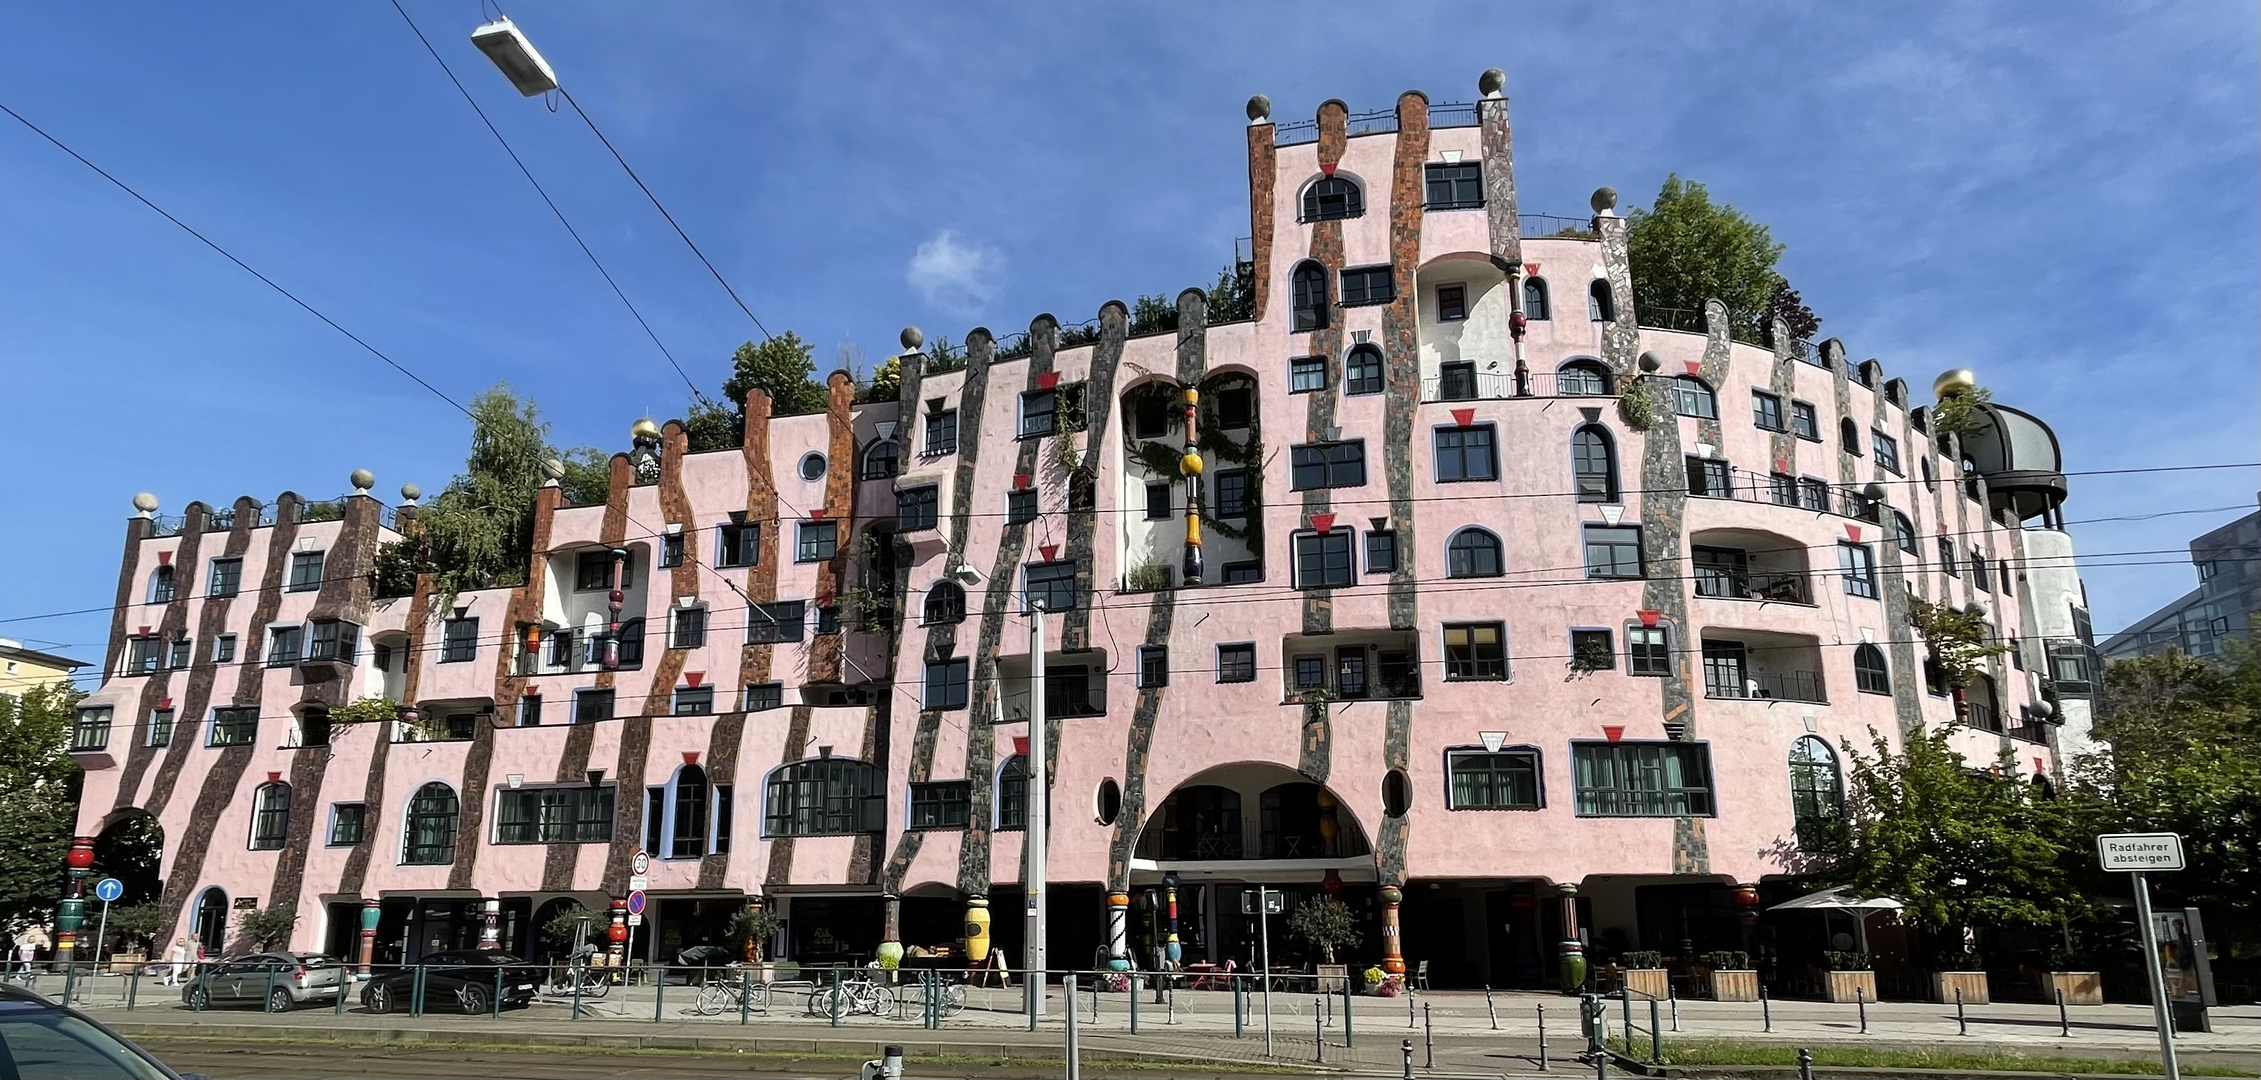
(211, 922)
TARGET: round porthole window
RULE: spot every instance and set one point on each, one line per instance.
(1397, 793)
(812, 466)
(1107, 802)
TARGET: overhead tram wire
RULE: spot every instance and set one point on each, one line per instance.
(551, 203)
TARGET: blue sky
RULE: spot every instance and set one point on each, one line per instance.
(2063, 197)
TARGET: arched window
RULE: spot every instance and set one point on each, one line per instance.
(1307, 288)
(1817, 794)
(212, 920)
(1869, 672)
(1599, 306)
(1362, 370)
(161, 589)
(824, 797)
(1331, 198)
(1582, 378)
(1903, 532)
(1473, 552)
(632, 643)
(1012, 794)
(1849, 433)
(882, 460)
(687, 813)
(945, 603)
(1535, 299)
(429, 839)
(270, 816)
(1691, 397)
(1594, 464)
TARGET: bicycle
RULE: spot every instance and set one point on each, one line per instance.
(862, 994)
(729, 994)
(591, 983)
(949, 997)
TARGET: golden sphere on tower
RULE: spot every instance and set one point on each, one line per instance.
(1953, 383)
(1190, 464)
(643, 429)
(1192, 396)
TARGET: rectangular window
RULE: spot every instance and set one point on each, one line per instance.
(284, 644)
(1362, 371)
(346, 820)
(530, 710)
(592, 570)
(1466, 453)
(828, 619)
(1158, 506)
(762, 697)
(1350, 672)
(306, 571)
(671, 549)
(738, 543)
(1070, 690)
(945, 804)
(143, 654)
(555, 815)
(1322, 560)
(1947, 558)
(1243, 572)
(1508, 780)
(1151, 420)
(224, 649)
(1452, 303)
(592, 706)
(1859, 565)
(1782, 488)
(690, 628)
(234, 726)
(1887, 451)
(1311, 672)
(1642, 779)
(1232, 493)
(1236, 663)
(941, 432)
(1020, 506)
(918, 508)
(1647, 650)
(91, 731)
(226, 579)
(333, 640)
(1592, 650)
(561, 648)
(1803, 422)
(1613, 551)
(1236, 409)
(818, 541)
(1040, 412)
(459, 640)
(1457, 185)
(1368, 285)
(1307, 374)
(1327, 465)
(694, 701)
(1475, 651)
(1381, 552)
(1708, 477)
(2004, 567)
(1766, 411)
(1400, 673)
(1813, 494)
(946, 684)
(1978, 572)
(1083, 493)
(784, 620)
(1051, 586)
(1153, 666)
(178, 652)
(161, 727)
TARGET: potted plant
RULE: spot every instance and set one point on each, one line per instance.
(1959, 972)
(1645, 974)
(752, 927)
(1732, 977)
(1850, 976)
(2073, 978)
(1328, 924)
(1383, 984)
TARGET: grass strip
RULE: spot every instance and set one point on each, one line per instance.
(1727, 1052)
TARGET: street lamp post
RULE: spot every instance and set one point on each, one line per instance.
(1039, 807)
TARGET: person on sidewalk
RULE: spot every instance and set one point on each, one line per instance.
(179, 958)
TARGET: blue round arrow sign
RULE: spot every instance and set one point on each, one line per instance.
(109, 889)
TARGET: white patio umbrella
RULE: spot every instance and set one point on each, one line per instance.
(1838, 899)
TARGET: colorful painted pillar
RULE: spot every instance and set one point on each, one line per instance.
(612, 604)
(370, 914)
(490, 925)
(1517, 322)
(1747, 912)
(617, 952)
(1190, 467)
(1393, 944)
(1172, 949)
(891, 931)
(1573, 951)
(71, 913)
(977, 931)
(1118, 931)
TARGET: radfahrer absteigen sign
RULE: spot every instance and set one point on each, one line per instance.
(2139, 852)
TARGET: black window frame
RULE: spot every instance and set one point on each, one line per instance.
(1236, 662)
(944, 603)
(1538, 303)
(777, 622)
(1307, 295)
(687, 628)
(270, 816)
(1477, 665)
(1382, 555)
(1857, 564)
(1472, 443)
(594, 705)
(1229, 500)
(1022, 506)
(1362, 370)
(918, 509)
(1593, 648)
(1805, 422)
(947, 685)
(1586, 441)
(1159, 505)
(736, 544)
(671, 550)
(459, 640)
(1307, 374)
(1871, 674)
(1693, 397)
(1452, 302)
(1518, 765)
(306, 568)
(1331, 459)
(1364, 285)
(1615, 538)
(1886, 450)
(816, 541)
(592, 570)
(1058, 583)
(1648, 650)
(233, 725)
(1332, 198)
(90, 728)
(560, 814)
(940, 804)
(1460, 558)
(1710, 478)
(1312, 544)
(692, 701)
(1153, 666)
(349, 824)
(1040, 413)
(286, 645)
(1624, 799)
(824, 797)
(225, 577)
(941, 437)
(1766, 411)
(762, 697)
(1452, 185)
(1813, 494)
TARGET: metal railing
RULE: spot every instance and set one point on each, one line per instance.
(1454, 114)
(1377, 122)
(1802, 686)
(1762, 585)
(1544, 225)
(1295, 133)
(1664, 318)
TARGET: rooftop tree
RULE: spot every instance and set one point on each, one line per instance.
(1687, 249)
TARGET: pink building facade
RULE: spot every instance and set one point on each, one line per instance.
(1458, 631)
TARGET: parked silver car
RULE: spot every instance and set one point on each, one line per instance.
(278, 980)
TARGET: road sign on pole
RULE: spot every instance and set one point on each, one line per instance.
(636, 901)
(109, 889)
(105, 890)
(2133, 854)
(2138, 852)
(639, 863)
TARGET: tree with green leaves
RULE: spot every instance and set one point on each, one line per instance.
(886, 381)
(710, 425)
(781, 366)
(1786, 306)
(1326, 923)
(1686, 249)
(39, 788)
(268, 928)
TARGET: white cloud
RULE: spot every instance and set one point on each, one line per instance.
(954, 275)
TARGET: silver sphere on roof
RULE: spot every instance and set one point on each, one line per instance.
(1259, 109)
(1651, 362)
(1491, 82)
(145, 502)
(554, 469)
(1874, 492)
(912, 339)
(1604, 200)
(362, 479)
(409, 493)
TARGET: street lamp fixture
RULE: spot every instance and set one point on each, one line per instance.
(506, 45)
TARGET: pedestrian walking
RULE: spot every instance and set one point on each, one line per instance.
(179, 959)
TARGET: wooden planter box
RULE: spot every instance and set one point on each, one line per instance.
(1848, 986)
(1734, 985)
(1332, 977)
(124, 963)
(1972, 984)
(1649, 982)
(2079, 987)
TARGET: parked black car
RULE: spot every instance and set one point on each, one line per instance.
(39, 1037)
(465, 981)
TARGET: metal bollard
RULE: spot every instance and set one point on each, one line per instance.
(891, 1063)
(834, 1005)
(1074, 1047)
(1491, 1008)
(345, 982)
(70, 981)
(1805, 1064)
(659, 992)
(1625, 1006)
(745, 995)
(267, 1005)
(1406, 1048)
(496, 1004)
(1542, 1038)
(579, 973)
(1318, 1030)
(1674, 996)
(1656, 1036)
(1766, 1010)
(1860, 1001)
(1133, 995)
(1240, 1019)
(2064, 1021)
(1961, 1027)
(1346, 1040)
(133, 985)
(1410, 1019)
(1428, 1039)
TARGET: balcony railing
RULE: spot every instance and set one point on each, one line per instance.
(1769, 686)
(1763, 585)
(1544, 225)
(1453, 114)
(1500, 386)
(1295, 132)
